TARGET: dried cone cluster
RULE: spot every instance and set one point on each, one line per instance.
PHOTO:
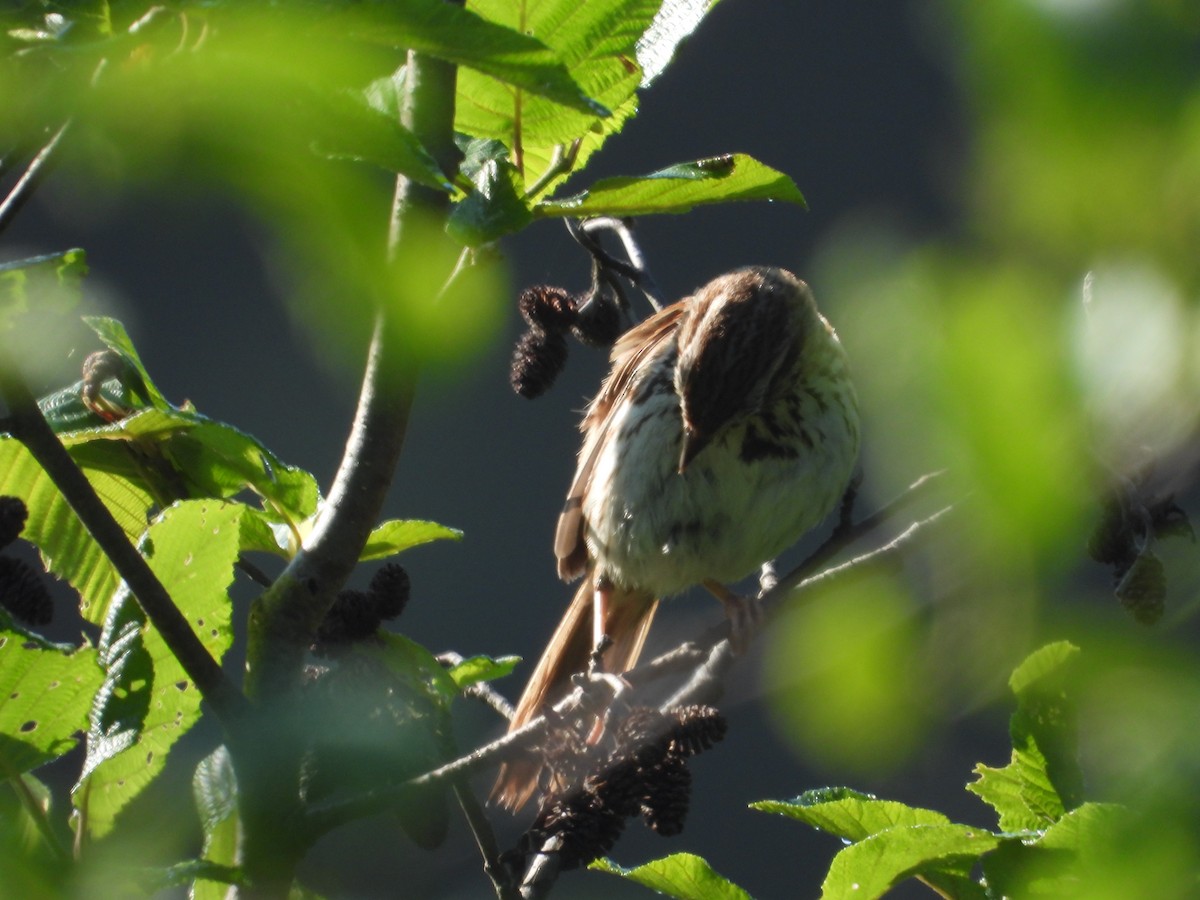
(356, 615)
(643, 772)
(551, 313)
(1123, 539)
(22, 591)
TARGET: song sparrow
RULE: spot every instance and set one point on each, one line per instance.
(727, 427)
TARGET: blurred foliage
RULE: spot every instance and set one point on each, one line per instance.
(1050, 842)
(1046, 355)
(1043, 353)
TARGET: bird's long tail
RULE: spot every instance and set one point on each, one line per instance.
(627, 619)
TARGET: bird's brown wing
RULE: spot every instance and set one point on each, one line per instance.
(630, 357)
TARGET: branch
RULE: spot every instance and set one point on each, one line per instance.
(595, 694)
(31, 429)
(708, 658)
(286, 616)
(30, 178)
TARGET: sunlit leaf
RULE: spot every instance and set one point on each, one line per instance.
(483, 44)
(1064, 861)
(414, 665)
(66, 547)
(113, 333)
(873, 866)
(678, 189)
(477, 669)
(397, 535)
(1043, 780)
(681, 875)
(47, 690)
(147, 701)
(357, 130)
(849, 814)
(596, 40)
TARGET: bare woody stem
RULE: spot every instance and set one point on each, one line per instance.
(286, 616)
(31, 429)
(33, 175)
(284, 619)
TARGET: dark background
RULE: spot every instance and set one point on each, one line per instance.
(856, 103)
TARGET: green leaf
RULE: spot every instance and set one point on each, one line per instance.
(66, 413)
(113, 334)
(874, 865)
(1062, 861)
(1020, 792)
(260, 533)
(678, 189)
(414, 666)
(495, 208)
(484, 45)
(66, 547)
(396, 535)
(381, 717)
(221, 460)
(849, 814)
(596, 40)
(53, 281)
(1042, 780)
(214, 787)
(1041, 666)
(482, 668)
(675, 22)
(20, 834)
(47, 690)
(356, 129)
(147, 701)
(179, 453)
(681, 875)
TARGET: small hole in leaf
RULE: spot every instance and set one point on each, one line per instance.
(28, 726)
(181, 685)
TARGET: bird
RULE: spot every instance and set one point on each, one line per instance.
(726, 428)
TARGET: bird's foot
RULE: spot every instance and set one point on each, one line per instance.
(745, 615)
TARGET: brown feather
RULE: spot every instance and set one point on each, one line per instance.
(629, 355)
(628, 619)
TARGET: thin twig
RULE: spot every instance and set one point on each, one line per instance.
(33, 175)
(253, 572)
(634, 271)
(485, 838)
(562, 162)
(481, 690)
(623, 229)
(707, 654)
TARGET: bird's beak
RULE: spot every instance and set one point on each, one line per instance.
(693, 442)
